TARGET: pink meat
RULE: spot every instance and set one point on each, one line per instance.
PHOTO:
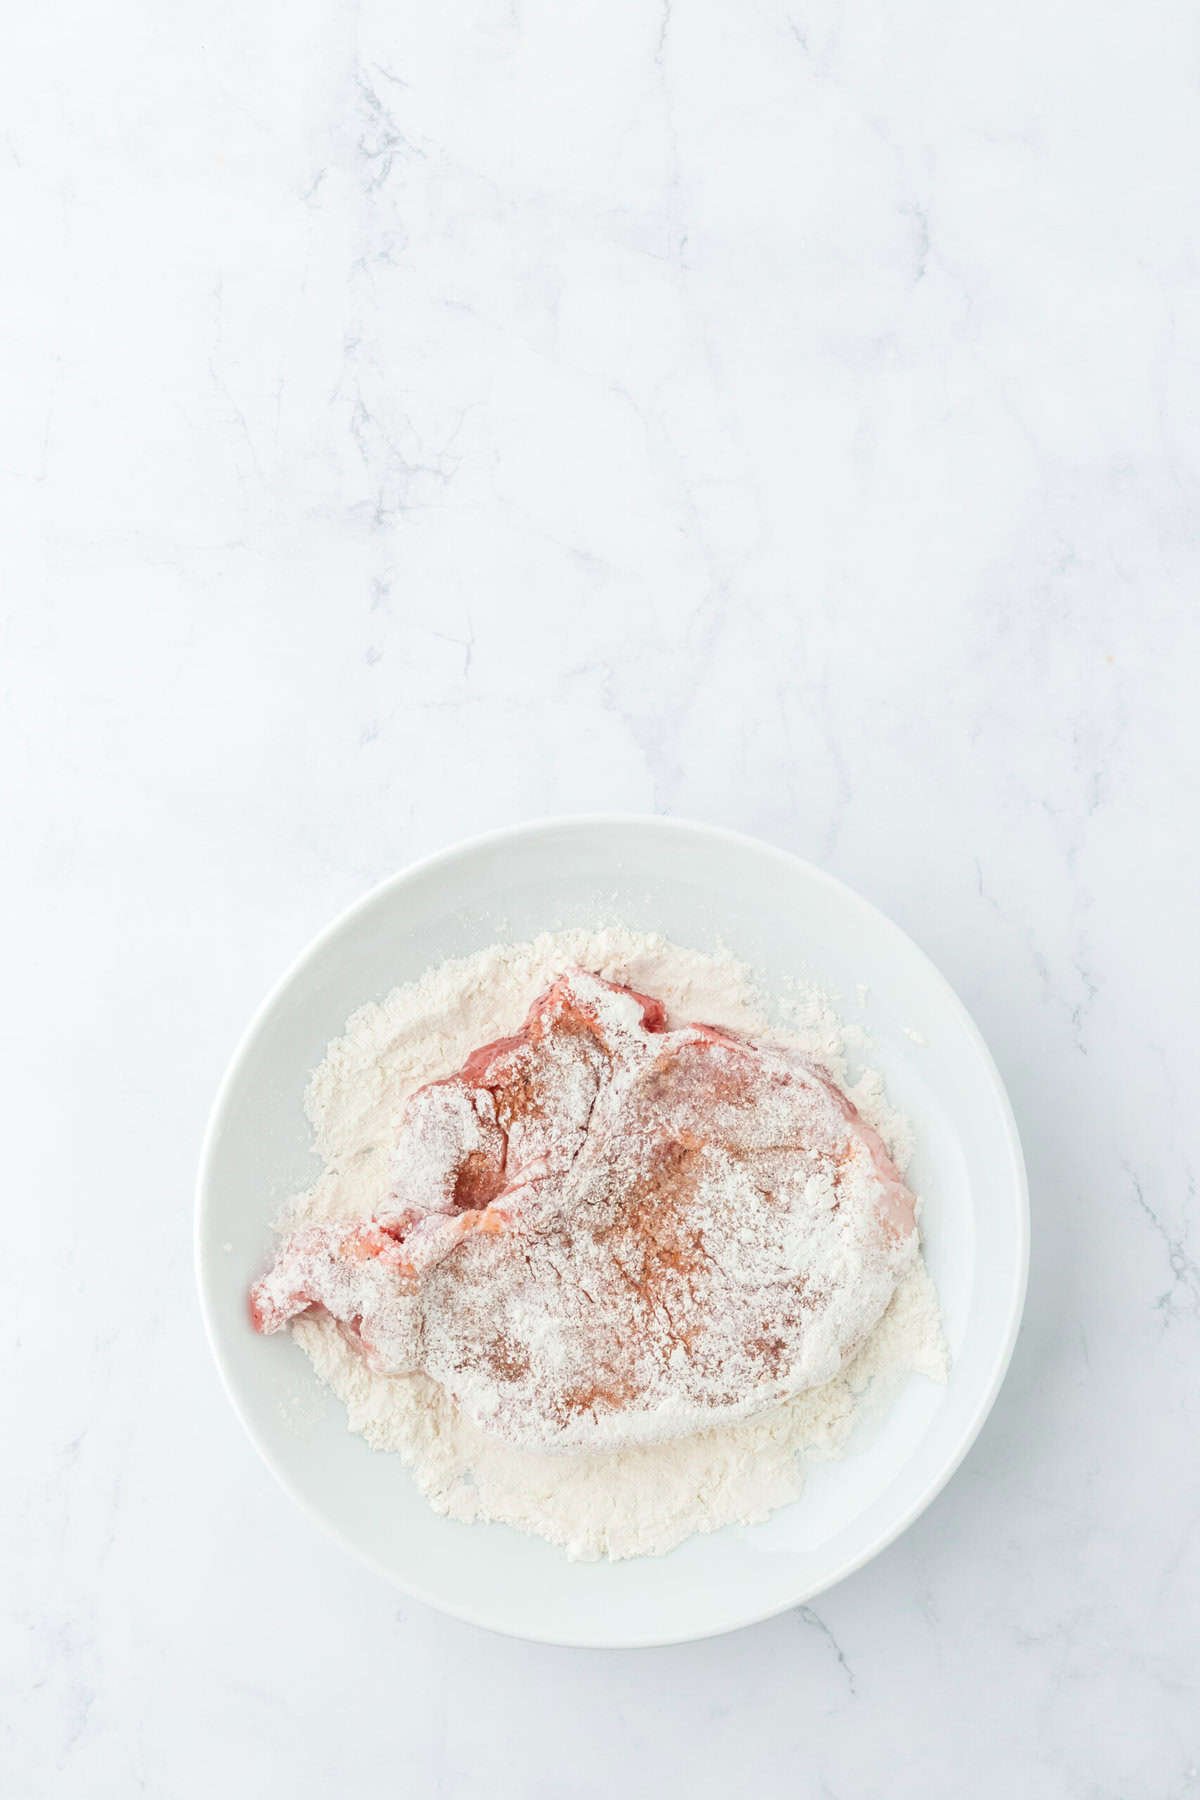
(604, 1231)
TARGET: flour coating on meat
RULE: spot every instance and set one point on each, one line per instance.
(602, 1232)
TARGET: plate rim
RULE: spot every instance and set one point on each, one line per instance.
(497, 838)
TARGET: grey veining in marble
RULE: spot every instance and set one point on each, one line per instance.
(418, 418)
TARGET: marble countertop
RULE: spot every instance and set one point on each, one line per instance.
(417, 419)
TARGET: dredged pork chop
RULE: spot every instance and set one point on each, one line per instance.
(606, 1232)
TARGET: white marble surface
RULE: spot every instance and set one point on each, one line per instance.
(420, 418)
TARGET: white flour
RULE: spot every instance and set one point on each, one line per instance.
(616, 1503)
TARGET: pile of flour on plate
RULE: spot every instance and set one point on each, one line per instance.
(614, 1503)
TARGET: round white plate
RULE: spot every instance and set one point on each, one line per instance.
(700, 887)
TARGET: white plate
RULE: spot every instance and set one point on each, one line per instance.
(698, 886)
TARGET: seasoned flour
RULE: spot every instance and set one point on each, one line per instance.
(615, 1503)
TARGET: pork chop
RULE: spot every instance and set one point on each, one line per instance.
(605, 1231)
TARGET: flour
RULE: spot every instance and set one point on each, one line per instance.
(637, 1500)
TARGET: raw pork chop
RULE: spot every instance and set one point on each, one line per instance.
(606, 1232)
